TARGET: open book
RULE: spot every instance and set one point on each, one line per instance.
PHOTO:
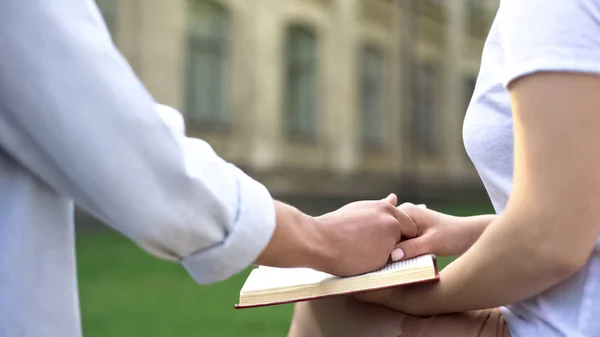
(270, 286)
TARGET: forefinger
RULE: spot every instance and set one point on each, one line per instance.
(408, 228)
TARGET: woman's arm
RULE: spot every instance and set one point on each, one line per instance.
(551, 222)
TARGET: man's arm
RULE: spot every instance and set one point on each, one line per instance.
(73, 113)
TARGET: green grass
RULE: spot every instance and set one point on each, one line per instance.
(125, 292)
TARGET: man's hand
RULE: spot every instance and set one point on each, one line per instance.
(361, 236)
(439, 233)
(352, 240)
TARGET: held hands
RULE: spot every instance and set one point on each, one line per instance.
(437, 233)
(364, 235)
(355, 239)
(360, 236)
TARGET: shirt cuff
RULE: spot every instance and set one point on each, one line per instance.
(251, 232)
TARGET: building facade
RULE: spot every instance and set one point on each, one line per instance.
(316, 97)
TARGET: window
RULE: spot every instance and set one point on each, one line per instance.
(301, 83)
(425, 126)
(371, 96)
(207, 68)
(481, 10)
(108, 8)
(474, 9)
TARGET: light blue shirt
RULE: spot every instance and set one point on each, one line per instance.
(529, 37)
(77, 126)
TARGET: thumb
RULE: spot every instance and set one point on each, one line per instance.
(392, 199)
(411, 248)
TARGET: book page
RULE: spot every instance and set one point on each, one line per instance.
(419, 261)
(269, 278)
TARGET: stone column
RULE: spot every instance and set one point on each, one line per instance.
(151, 35)
(165, 48)
(266, 85)
(452, 108)
(128, 27)
(242, 77)
(408, 36)
(343, 120)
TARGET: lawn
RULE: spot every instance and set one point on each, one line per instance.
(125, 292)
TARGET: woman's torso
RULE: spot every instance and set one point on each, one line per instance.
(571, 308)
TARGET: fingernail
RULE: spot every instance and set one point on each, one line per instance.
(397, 254)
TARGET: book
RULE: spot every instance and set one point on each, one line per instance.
(272, 286)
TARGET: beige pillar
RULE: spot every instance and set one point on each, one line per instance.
(409, 42)
(151, 35)
(343, 126)
(396, 92)
(243, 79)
(165, 47)
(453, 89)
(128, 29)
(266, 84)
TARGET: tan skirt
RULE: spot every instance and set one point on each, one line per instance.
(347, 317)
(484, 323)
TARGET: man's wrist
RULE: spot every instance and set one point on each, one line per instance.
(298, 241)
(319, 251)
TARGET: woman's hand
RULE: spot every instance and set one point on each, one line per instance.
(439, 233)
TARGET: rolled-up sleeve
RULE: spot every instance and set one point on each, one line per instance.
(74, 114)
(249, 234)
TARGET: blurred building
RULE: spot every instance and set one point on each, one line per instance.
(317, 97)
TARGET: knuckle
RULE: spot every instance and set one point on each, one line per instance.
(387, 207)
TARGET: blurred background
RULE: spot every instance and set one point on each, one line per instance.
(323, 101)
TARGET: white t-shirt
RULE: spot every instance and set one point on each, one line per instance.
(528, 36)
